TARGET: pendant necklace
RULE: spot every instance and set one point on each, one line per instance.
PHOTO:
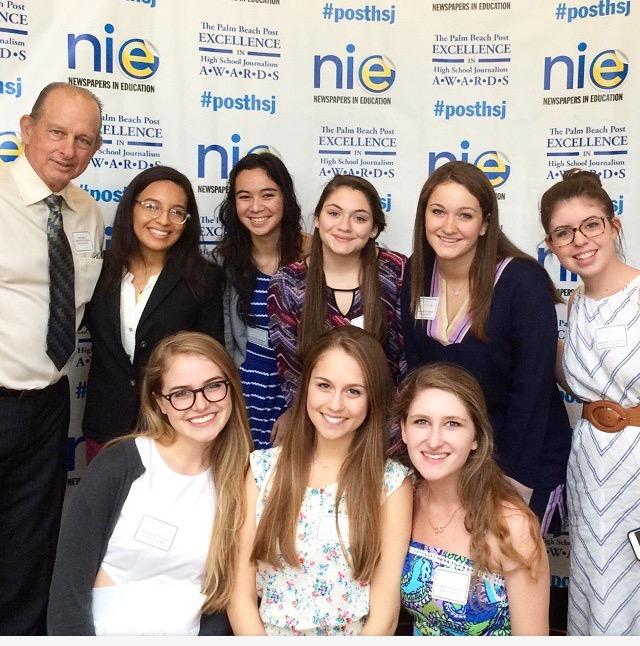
(438, 529)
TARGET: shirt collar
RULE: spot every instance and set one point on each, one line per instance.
(31, 187)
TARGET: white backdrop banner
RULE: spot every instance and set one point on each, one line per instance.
(386, 90)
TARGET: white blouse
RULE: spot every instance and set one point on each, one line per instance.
(131, 307)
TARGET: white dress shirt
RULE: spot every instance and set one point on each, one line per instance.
(24, 270)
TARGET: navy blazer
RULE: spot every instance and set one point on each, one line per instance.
(113, 392)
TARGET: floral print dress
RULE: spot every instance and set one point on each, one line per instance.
(320, 597)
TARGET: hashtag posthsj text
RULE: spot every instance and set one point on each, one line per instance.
(561, 10)
(81, 390)
(206, 98)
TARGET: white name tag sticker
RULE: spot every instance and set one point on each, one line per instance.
(451, 585)
(327, 532)
(358, 321)
(427, 308)
(156, 533)
(612, 336)
(82, 241)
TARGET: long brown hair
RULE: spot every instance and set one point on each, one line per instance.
(493, 246)
(227, 455)
(361, 475)
(314, 311)
(484, 491)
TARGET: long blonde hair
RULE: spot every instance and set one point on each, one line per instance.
(227, 455)
(484, 491)
(361, 475)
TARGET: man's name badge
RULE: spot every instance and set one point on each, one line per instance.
(82, 241)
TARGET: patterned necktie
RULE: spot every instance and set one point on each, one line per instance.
(61, 331)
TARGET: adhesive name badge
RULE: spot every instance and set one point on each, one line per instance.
(427, 308)
(327, 532)
(612, 336)
(358, 321)
(156, 533)
(82, 241)
(451, 585)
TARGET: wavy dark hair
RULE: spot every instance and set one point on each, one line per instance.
(313, 322)
(238, 265)
(185, 252)
(493, 246)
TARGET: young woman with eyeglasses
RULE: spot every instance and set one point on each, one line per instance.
(474, 299)
(476, 564)
(328, 515)
(346, 280)
(150, 540)
(262, 231)
(600, 366)
(154, 282)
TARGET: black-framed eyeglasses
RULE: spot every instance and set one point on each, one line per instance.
(185, 398)
(590, 228)
(153, 210)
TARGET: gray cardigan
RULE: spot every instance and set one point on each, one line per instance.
(235, 329)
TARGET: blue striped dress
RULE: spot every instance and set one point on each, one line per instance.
(603, 477)
(259, 374)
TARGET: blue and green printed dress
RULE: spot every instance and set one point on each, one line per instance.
(486, 611)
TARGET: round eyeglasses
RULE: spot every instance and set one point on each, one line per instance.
(153, 210)
(590, 228)
(185, 398)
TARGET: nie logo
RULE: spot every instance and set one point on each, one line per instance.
(227, 161)
(376, 73)
(608, 69)
(136, 57)
(10, 147)
(492, 163)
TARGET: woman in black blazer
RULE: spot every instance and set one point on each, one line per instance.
(154, 282)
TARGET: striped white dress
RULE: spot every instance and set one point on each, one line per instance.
(603, 478)
(259, 374)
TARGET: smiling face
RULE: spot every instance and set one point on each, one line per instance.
(439, 434)
(345, 222)
(158, 234)
(453, 222)
(337, 401)
(259, 202)
(204, 421)
(61, 142)
(585, 256)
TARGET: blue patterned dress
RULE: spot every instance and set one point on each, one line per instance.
(259, 374)
(486, 611)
